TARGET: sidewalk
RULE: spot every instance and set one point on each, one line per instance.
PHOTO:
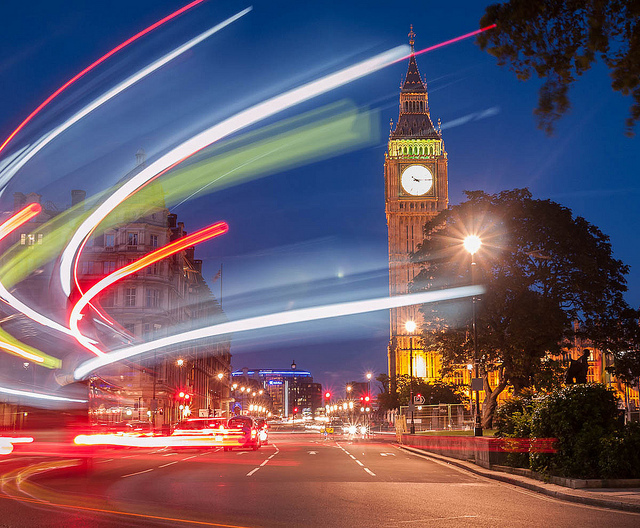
(626, 499)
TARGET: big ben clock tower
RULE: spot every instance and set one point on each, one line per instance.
(416, 189)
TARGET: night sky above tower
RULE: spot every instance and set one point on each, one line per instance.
(314, 232)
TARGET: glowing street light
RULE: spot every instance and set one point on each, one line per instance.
(180, 362)
(220, 376)
(472, 244)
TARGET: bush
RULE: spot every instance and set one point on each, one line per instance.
(513, 420)
(580, 417)
(620, 453)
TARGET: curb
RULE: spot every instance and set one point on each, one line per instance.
(532, 486)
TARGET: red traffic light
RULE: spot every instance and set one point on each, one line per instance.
(366, 398)
(187, 396)
(181, 394)
(327, 395)
(295, 409)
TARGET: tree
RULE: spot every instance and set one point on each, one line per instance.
(543, 270)
(559, 40)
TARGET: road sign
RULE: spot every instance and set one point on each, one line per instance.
(418, 399)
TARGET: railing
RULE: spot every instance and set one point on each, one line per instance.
(443, 417)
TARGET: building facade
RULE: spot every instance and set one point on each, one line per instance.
(416, 189)
(285, 389)
(164, 298)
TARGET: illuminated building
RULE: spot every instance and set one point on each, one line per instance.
(168, 296)
(286, 388)
(416, 189)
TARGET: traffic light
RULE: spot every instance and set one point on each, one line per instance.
(295, 410)
(367, 399)
(327, 395)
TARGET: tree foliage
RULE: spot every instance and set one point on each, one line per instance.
(542, 269)
(558, 40)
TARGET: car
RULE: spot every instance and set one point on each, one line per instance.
(242, 431)
(263, 430)
(200, 432)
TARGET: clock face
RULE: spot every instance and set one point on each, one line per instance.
(416, 180)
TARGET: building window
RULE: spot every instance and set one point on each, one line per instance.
(109, 266)
(131, 328)
(108, 300)
(132, 239)
(109, 240)
(154, 241)
(147, 331)
(154, 269)
(153, 298)
(23, 239)
(86, 268)
(130, 297)
(40, 236)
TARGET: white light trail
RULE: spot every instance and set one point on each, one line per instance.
(20, 160)
(18, 305)
(228, 126)
(24, 157)
(279, 319)
(38, 395)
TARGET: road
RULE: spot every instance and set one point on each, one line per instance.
(297, 480)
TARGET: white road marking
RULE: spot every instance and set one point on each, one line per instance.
(370, 472)
(138, 473)
(267, 460)
(103, 461)
(169, 464)
(252, 471)
(194, 456)
(241, 453)
(359, 463)
(353, 457)
(170, 454)
(313, 452)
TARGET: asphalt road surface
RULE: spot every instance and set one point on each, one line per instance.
(296, 480)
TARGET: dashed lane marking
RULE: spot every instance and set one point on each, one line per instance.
(370, 472)
(137, 473)
(169, 464)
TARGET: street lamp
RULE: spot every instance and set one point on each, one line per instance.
(472, 244)
(411, 327)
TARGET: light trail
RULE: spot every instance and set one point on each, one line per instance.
(14, 167)
(217, 229)
(96, 63)
(7, 342)
(279, 319)
(39, 395)
(447, 42)
(193, 145)
(20, 218)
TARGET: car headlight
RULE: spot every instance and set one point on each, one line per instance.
(352, 429)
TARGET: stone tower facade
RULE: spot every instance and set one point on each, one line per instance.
(416, 189)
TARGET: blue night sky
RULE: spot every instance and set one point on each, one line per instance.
(315, 233)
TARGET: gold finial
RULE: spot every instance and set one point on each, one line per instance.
(411, 35)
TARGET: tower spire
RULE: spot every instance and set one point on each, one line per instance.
(411, 36)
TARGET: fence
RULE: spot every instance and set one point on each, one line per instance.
(443, 417)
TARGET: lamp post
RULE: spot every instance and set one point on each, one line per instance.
(472, 244)
(411, 326)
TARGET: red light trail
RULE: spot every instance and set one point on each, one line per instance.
(21, 217)
(96, 63)
(447, 42)
(217, 229)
